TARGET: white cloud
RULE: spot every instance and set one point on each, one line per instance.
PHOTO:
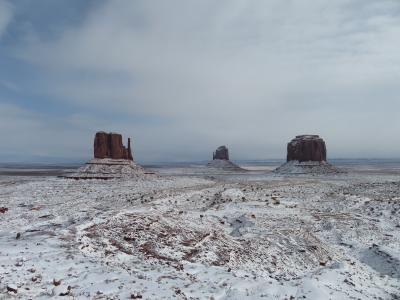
(6, 15)
(251, 74)
(28, 134)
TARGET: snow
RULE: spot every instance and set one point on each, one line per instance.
(189, 237)
(223, 164)
(107, 168)
(307, 167)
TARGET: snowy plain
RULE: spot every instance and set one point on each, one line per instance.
(196, 233)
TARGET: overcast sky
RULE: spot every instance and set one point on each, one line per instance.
(183, 77)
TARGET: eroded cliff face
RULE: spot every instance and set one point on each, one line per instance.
(109, 145)
(306, 148)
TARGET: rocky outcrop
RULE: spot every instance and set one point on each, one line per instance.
(224, 165)
(221, 161)
(306, 148)
(108, 168)
(306, 154)
(111, 160)
(307, 167)
(221, 153)
(109, 145)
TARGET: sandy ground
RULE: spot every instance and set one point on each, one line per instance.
(253, 235)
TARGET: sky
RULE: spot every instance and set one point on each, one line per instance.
(182, 77)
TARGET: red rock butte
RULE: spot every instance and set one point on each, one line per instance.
(306, 148)
(221, 153)
(109, 145)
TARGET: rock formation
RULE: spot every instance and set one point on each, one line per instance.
(221, 153)
(306, 148)
(111, 160)
(221, 160)
(109, 145)
(306, 154)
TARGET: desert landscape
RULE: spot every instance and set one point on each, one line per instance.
(202, 232)
(199, 150)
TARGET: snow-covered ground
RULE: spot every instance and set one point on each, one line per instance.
(254, 235)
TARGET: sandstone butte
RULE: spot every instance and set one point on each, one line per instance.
(109, 145)
(221, 153)
(306, 148)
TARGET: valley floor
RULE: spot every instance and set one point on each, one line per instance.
(250, 236)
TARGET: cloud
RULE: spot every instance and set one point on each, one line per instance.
(248, 74)
(29, 135)
(6, 15)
